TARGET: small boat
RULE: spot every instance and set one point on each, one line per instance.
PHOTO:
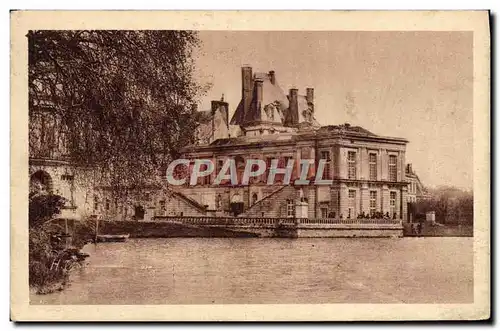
(112, 237)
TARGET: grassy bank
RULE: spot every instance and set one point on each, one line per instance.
(51, 253)
(52, 256)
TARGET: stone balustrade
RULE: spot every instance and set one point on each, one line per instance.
(263, 221)
(350, 221)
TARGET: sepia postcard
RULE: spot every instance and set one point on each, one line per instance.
(250, 165)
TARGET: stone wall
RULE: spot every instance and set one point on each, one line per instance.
(285, 227)
(349, 233)
(73, 184)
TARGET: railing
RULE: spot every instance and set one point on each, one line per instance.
(350, 221)
(270, 221)
(241, 221)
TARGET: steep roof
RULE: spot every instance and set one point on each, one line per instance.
(271, 93)
(238, 115)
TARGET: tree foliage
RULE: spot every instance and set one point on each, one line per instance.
(122, 100)
(451, 205)
(43, 207)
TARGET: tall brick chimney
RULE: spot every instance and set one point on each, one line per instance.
(293, 108)
(246, 88)
(259, 96)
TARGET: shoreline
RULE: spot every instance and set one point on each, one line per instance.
(141, 229)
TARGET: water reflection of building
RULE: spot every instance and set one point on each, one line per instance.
(367, 170)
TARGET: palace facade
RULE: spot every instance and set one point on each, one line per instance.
(367, 171)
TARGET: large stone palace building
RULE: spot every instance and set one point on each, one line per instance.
(368, 171)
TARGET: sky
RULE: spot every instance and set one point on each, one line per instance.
(414, 85)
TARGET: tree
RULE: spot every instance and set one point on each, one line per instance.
(122, 100)
(42, 207)
(451, 205)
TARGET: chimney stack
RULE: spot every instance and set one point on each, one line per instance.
(293, 115)
(215, 106)
(258, 94)
(246, 88)
(272, 77)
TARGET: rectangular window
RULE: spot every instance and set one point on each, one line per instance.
(324, 212)
(220, 164)
(268, 168)
(68, 178)
(352, 204)
(373, 202)
(205, 180)
(392, 203)
(293, 173)
(327, 173)
(107, 204)
(290, 208)
(393, 168)
(162, 205)
(96, 203)
(351, 165)
(373, 166)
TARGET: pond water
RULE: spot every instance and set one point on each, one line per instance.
(266, 270)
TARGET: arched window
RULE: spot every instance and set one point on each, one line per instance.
(40, 183)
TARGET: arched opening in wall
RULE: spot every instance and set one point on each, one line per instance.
(237, 204)
(40, 183)
(139, 213)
